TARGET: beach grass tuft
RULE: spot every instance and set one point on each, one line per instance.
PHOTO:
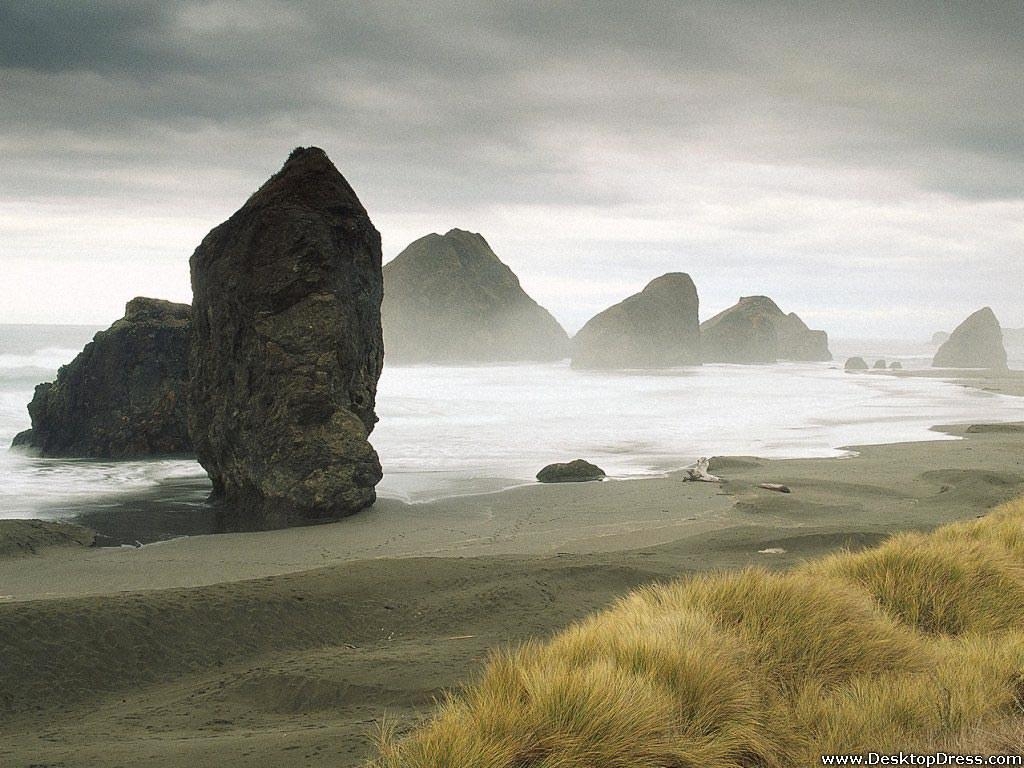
(917, 644)
(943, 584)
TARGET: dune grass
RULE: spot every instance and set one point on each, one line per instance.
(949, 583)
(917, 644)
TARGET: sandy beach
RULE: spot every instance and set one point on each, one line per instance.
(289, 647)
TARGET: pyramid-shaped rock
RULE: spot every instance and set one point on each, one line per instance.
(976, 343)
(449, 298)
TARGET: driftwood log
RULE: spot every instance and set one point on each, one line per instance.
(699, 473)
(775, 487)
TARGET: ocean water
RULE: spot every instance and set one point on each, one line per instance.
(447, 430)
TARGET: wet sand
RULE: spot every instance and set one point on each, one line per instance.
(998, 382)
(287, 648)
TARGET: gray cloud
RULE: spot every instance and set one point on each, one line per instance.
(933, 93)
(732, 124)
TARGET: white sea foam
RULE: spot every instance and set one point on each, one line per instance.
(451, 430)
(446, 430)
(44, 360)
(35, 487)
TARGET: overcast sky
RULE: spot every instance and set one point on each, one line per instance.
(863, 164)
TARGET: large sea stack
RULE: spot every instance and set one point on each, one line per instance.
(125, 394)
(656, 328)
(976, 343)
(287, 350)
(755, 330)
(449, 298)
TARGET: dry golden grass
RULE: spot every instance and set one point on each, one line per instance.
(1003, 736)
(915, 645)
(946, 584)
(974, 679)
(796, 627)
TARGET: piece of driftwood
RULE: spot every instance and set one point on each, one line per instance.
(775, 487)
(700, 472)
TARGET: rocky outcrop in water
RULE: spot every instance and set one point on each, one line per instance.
(856, 364)
(798, 342)
(576, 471)
(124, 395)
(287, 349)
(656, 328)
(449, 298)
(755, 330)
(976, 343)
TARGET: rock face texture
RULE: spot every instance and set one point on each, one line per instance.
(287, 349)
(939, 337)
(125, 394)
(856, 364)
(976, 343)
(449, 298)
(755, 330)
(656, 328)
(577, 471)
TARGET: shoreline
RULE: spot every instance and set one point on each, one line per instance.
(293, 645)
(813, 429)
(545, 520)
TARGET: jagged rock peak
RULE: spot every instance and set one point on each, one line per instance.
(309, 178)
(449, 298)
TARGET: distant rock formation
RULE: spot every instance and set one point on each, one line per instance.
(896, 365)
(856, 364)
(578, 471)
(124, 395)
(755, 330)
(939, 337)
(798, 342)
(880, 365)
(656, 328)
(287, 350)
(976, 343)
(449, 298)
